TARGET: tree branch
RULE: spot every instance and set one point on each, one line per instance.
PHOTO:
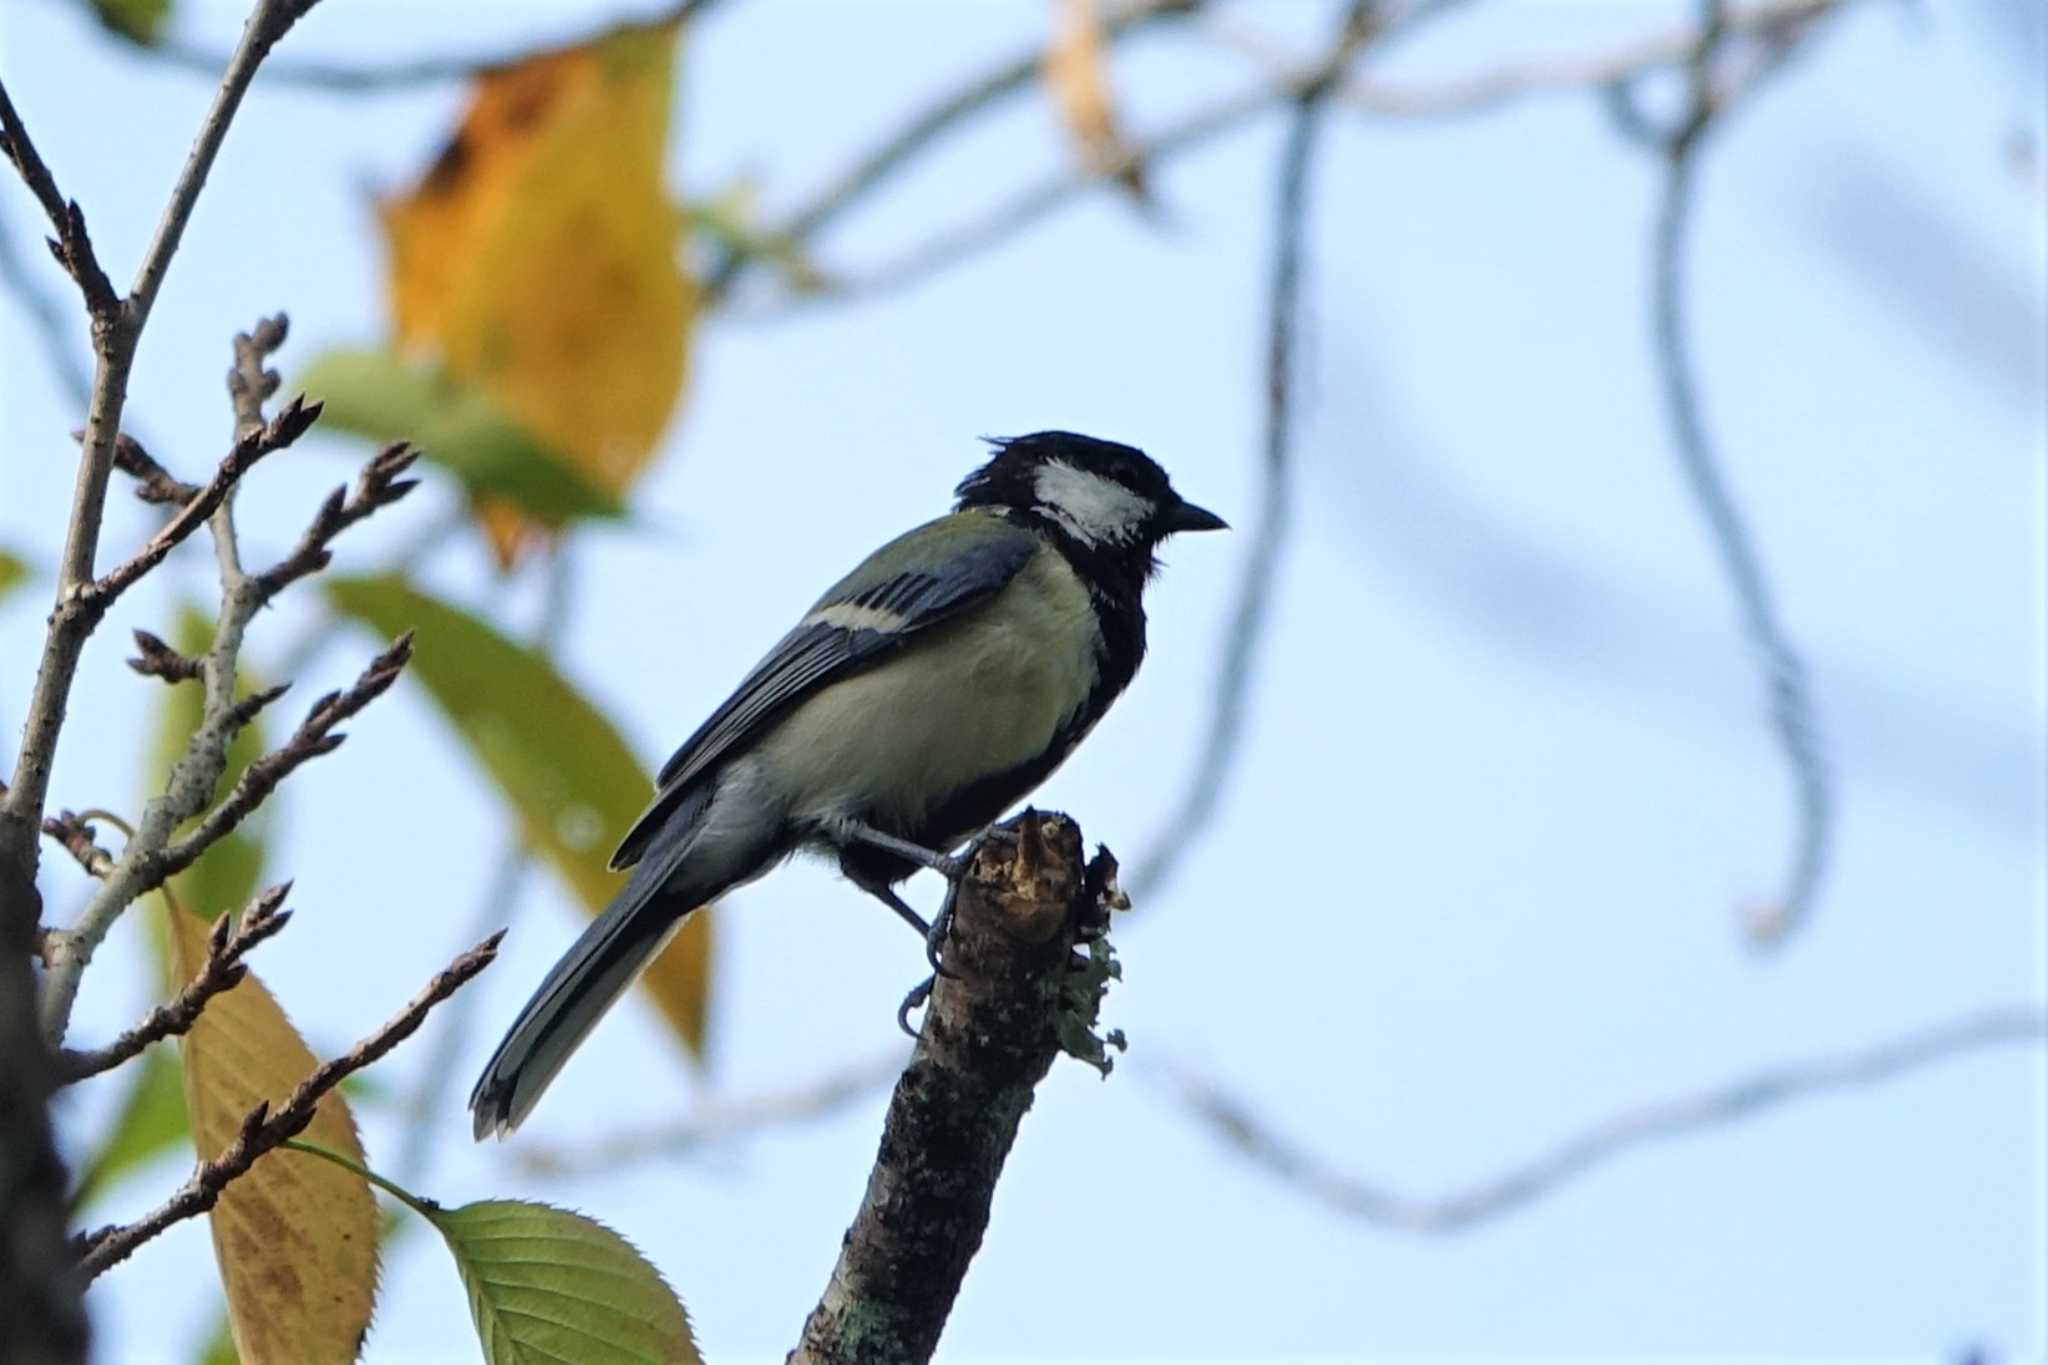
(1791, 705)
(1198, 802)
(150, 856)
(874, 168)
(1234, 1122)
(72, 246)
(720, 1121)
(116, 333)
(263, 1130)
(222, 971)
(992, 1029)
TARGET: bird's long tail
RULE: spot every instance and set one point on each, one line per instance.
(588, 980)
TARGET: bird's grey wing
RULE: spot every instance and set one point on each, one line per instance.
(925, 577)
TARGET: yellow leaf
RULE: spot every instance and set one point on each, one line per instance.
(295, 1238)
(1076, 72)
(538, 258)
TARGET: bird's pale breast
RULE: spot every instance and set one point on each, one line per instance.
(976, 697)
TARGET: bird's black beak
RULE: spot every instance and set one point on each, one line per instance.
(1188, 517)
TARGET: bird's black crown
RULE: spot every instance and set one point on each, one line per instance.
(1011, 477)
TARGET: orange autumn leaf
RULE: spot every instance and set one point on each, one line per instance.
(1076, 71)
(538, 258)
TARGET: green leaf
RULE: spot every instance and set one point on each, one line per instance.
(151, 1122)
(458, 426)
(139, 21)
(548, 1285)
(227, 874)
(12, 573)
(560, 765)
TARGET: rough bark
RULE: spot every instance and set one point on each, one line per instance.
(1018, 989)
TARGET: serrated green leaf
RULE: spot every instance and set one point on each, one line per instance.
(139, 21)
(12, 573)
(151, 1121)
(547, 1285)
(456, 425)
(560, 765)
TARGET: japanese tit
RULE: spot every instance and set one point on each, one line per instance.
(923, 695)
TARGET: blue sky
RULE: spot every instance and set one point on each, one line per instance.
(1506, 782)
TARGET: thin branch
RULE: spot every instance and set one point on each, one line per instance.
(721, 1121)
(874, 168)
(1198, 803)
(340, 78)
(1028, 206)
(378, 486)
(153, 483)
(1791, 705)
(314, 737)
(291, 422)
(116, 333)
(72, 246)
(150, 856)
(1234, 1122)
(229, 943)
(263, 1130)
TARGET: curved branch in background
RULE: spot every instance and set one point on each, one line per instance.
(1317, 1179)
(340, 78)
(1791, 705)
(1015, 994)
(978, 95)
(1197, 805)
(721, 1121)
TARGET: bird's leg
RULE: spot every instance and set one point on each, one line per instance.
(860, 832)
(933, 934)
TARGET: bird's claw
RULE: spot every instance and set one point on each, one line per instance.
(935, 937)
(919, 993)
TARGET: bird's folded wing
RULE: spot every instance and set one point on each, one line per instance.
(921, 579)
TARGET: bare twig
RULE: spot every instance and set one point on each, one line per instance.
(1007, 1006)
(379, 485)
(228, 944)
(721, 1121)
(153, 483)
(1791, 706)
(254, 442)
(72, 246)
(1235, 1123)
(74, 833)
(155, 659)
(314, 737)
(263, 1129)
(1197, 805)
(116, 333)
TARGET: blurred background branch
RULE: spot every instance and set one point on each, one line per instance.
(1259, 1141)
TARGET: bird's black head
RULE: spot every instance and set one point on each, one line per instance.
(1107, 505)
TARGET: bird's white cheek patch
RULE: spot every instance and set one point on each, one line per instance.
(1092, 507)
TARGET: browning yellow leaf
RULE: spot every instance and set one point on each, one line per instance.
(295, 1238)
(538, 257)
(1076, 72)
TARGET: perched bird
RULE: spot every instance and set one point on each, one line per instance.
(922, 696)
